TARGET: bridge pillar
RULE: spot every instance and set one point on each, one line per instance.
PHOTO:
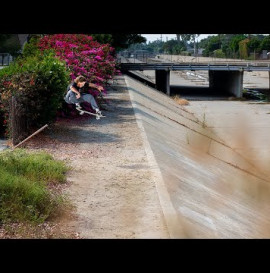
(227, 82)
(163, 81)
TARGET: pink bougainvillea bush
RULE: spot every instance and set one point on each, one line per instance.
(39, 78)
(83, 56)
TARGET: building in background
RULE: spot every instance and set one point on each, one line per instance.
(11, 47)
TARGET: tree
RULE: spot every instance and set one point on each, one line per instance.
(4, 37)
(210, 44)
(219, 53)
(174, 47)
(155, 46)
(234, 43)
(102, 38)
(254, 44)
(188, 37)
(225, 41)
(9, 43)
(120, 41)
(265, 43)
(243, 48)
(185, 37)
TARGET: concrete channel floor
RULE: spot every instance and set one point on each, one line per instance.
(211, 197)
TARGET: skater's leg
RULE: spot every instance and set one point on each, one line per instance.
(72, 98)
(90, 99)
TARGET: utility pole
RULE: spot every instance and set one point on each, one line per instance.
(195, 45)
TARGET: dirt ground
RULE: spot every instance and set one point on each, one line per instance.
(110, 184)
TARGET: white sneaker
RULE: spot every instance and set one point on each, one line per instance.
(78, 106)
(98, 112)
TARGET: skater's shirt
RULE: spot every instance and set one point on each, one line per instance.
(81, 87)
(78, 88)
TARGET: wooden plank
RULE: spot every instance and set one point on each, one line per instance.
(38, 131)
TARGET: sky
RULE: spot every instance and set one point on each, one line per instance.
(154, 37)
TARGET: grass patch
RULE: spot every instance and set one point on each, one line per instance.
(38, 166)
(25, 179)
(204, 121)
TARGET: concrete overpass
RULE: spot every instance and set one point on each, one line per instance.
(226, 77)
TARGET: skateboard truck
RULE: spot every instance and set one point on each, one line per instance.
(98, 116)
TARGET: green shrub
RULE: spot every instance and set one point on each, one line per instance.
(185, 53)
(24, 195)
(219, 53)
(30, 48)
(39, 84)
(11, 69)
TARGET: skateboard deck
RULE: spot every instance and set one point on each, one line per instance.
(98, 116)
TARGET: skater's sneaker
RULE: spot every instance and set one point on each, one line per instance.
(98, 112)
(78, 106)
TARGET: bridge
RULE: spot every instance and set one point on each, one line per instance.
(226, 77)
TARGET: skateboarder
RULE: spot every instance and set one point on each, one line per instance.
(76, 95)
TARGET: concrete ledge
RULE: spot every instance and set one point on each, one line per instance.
(171, 217)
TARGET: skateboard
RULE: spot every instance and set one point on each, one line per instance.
(98, 116)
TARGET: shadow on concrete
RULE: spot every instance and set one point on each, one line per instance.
(204, 93)
(190, 92)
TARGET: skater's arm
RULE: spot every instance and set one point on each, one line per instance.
(100, 88)
(73, 89)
